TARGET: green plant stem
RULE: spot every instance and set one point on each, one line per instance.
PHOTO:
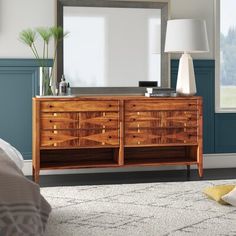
(54, 58)
(44, 63)
(37, 55)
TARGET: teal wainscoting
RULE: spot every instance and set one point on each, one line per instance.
(18, 84)
(205, 82)
(225, 133)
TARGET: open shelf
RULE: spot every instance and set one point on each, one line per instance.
(174, 155)
(78, 158)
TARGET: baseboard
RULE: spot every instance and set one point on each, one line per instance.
(211, 161)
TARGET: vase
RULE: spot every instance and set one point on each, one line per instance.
(44, 80)
(48, 83)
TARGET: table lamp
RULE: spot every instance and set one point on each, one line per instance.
(186, 36)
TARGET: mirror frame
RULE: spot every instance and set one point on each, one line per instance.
(163, 5)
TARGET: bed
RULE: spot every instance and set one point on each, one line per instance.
(23, 210)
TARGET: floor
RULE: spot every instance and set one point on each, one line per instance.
(138, 209)
(134, 177)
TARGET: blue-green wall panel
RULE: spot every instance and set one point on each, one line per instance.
(205, 82)
(225, 133)
(19, 83)
(17, 87)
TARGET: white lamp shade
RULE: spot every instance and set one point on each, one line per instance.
(186, 35)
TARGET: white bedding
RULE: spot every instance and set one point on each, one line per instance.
(12, 153)
(23, 210)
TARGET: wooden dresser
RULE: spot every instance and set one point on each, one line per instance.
(116, 131)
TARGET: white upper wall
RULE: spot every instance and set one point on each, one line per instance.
(17, 15)
(199, 9)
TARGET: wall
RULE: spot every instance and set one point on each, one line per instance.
(199, 9)
(18, 15)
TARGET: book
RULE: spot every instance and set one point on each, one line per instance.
(159, 90)
(169, 94)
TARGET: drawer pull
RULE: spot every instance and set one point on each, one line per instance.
(110, 120)
(50, 106)
(50, 121)
(50, 138)
(110, 137)
(134, 136)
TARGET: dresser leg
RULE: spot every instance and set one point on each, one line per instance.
(188, 171)
(35, 175)
(200, 170)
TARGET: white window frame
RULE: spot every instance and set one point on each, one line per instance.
(218, 109)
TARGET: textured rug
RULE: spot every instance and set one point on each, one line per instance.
(172, 208)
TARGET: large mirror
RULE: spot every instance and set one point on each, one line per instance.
(113, 43)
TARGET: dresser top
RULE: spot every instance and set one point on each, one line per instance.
(113, 97)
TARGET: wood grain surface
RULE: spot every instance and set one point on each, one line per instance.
(116, 131)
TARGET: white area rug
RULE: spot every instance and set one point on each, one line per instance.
(173, 208)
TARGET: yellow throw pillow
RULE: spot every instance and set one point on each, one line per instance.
(216, 192)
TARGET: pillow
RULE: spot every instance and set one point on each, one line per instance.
(216, 192)
(230, 197)
(12, 153)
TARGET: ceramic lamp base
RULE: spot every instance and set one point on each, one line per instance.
(186, 79)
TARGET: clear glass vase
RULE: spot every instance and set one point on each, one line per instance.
(45, 81)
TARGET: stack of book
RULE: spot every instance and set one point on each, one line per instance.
(160, 92)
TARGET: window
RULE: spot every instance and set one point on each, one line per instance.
(226, 55)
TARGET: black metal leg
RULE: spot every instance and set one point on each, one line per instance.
(188, 171)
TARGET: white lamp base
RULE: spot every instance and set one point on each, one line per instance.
(186, 79)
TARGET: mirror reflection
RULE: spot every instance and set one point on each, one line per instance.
(111, 47)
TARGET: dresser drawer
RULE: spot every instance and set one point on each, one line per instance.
(79, 120)
(78, 106)
(161, 105)
(160, 136)
(99, 120)
(59, 120)
(79, 138)
(159, 119)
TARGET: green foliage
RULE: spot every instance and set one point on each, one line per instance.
(45, 34)
(29, 37)
(57, 33)
(228, 57)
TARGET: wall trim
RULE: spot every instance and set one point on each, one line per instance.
(21, 62)
(211, 161)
